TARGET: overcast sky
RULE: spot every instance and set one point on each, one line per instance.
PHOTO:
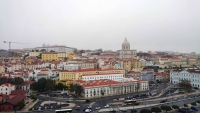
(149, 25)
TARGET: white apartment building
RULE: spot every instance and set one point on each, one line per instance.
(34, 54)
(6, 88)
(105, 87)
(193, 75)
(114, 77)
(56, 48)
(71, 67)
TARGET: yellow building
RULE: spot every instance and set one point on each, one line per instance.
(70, 56)
(62, 55)
(2, 69)
(50, 56)
(127, 64)
(77, 74)
(136, 63)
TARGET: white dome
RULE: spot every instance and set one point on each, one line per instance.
(125, 45)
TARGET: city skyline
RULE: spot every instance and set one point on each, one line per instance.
(147, 25)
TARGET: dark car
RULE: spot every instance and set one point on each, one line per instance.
(194, 108)
(87, 100)
(136, 103)
(185, 110)
(196, 88)
(133, 111)
(163, 101)
(136, 96)
(144, 96)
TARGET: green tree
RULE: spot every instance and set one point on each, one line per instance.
(50, 84)
(20, 104)
(198, 101)
(185, 105)
(18, 81)
(43, 50)
(81, 51)
(60, 86)
(77, 89)
(175, 107)
(155, 109)
(166, 108)
(42, 84)
(194, 103)
(185, 84)
(145, 111)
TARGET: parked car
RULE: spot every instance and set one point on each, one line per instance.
(123, 110)
(88, 110)
(107, 106)
(194, 108)
(163, 101)
(87, 100)
(97, 108)
(124, 105)
(69, 101)
(77, 108)
(185, 110)
(174, 99)
(196, 88)
(136, 103)
(133, 111)
(185, 97)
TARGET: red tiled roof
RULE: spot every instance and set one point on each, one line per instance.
(18, 91)
(3, 95)
(100, 74)
(49, 53)
(16, 99)
(91, 69)
(27, 83)
(7, 84)
(102, 82)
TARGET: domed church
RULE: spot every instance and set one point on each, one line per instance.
(126, 52)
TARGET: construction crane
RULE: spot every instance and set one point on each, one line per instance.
(14, 42)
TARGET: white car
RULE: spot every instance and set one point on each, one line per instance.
(174, 99)
(88, 110)
(97, 108)
(107, 106)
